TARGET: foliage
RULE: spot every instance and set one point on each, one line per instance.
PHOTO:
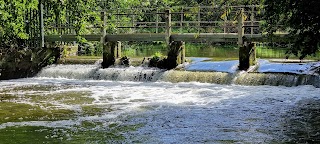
(300, 18)
(86, 48)
(157, 55)
(156, 58)
(98, 49)
(12, 17)
(80, 14)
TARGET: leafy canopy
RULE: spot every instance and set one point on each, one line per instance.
(300, 18)
(12, 18)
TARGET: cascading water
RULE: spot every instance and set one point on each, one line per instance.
(153, 74)
(87, 104)
(69, 71)
(97, 73)
(129, 74)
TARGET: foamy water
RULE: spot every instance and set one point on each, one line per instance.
(183, 112)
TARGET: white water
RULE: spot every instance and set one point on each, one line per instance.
(185, 112)
(153, 74)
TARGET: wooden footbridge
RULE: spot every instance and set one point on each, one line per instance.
(175, 26)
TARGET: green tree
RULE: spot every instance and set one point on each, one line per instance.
(12, 20)
(301, 18)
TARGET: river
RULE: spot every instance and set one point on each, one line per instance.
(86, 104)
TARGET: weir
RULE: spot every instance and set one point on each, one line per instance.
(145, 74)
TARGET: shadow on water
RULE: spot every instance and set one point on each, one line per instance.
(302, 124)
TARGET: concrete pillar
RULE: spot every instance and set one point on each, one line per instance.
(109, 54)
(174, 54)
(247, 56)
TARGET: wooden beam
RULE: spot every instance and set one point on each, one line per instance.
(136, 37)
(103, 28)
(240, 27)
(168, 26)
(188, 37)
(213, 37)
(71, 38)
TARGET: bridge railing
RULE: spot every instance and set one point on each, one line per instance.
(201, 19)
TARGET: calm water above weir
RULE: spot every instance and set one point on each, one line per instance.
(86, 104)
(216, 52)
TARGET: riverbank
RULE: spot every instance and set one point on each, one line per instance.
(25, 62)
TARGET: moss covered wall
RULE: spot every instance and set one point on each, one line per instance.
(19, 63)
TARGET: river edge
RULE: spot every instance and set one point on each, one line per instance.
(25, 62)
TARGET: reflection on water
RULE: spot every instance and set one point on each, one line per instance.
(218, 52)
(192, 50)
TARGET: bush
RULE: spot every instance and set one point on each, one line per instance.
(86, 48)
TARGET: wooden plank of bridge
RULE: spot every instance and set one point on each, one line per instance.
(209, 37)
(137, 37)
(71, 38)
(188, 37)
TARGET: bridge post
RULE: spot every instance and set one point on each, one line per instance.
(247, 53)
(110, 49)
(168, 25)
(240, 27)
(103, 28)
